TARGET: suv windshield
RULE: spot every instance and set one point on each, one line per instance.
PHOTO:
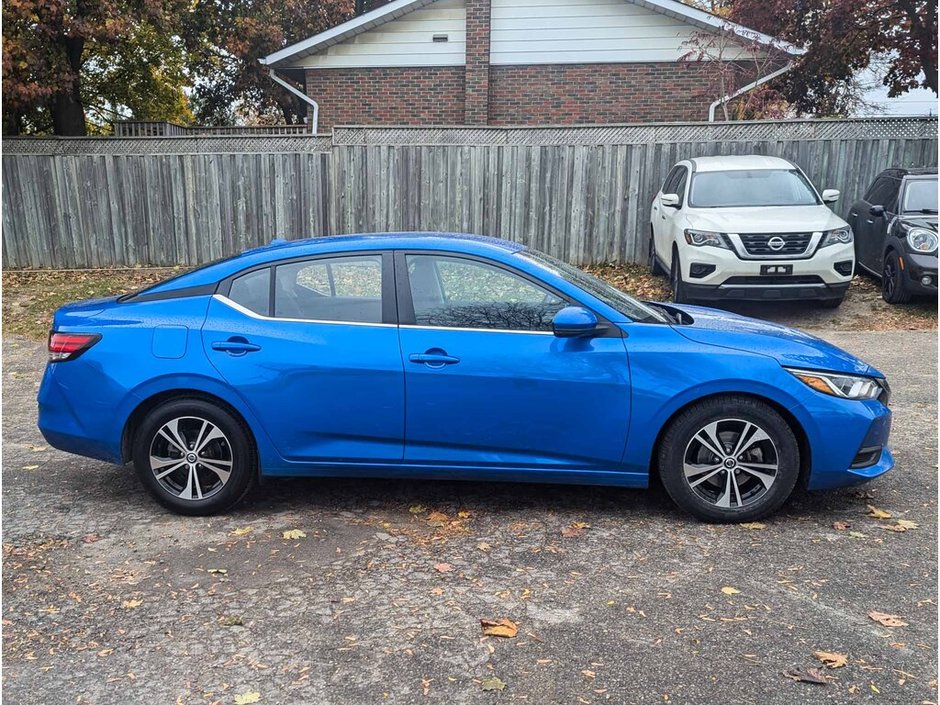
(751, 187)
(614, 298)
(920, 196)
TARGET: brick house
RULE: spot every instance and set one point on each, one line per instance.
(523, 62)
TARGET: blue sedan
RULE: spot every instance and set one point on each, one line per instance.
(456, 357)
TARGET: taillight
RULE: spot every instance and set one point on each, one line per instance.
(68, 346)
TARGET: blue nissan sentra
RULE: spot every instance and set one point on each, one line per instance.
(414, 355)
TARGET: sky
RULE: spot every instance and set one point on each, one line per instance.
(917, 102)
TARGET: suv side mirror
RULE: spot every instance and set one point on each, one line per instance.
(574, 322)
(670, 200)
(830, 195)
(877, 211)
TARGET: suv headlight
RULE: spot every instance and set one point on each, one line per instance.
(705, 238)
(839, 236)
(922, 240)
(840, 385)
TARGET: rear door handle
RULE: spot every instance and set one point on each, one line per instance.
(235, 346)
(434, 358)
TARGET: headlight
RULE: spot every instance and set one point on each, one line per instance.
(839, 385)
(839, 236)
(922, 240)
(704, 238)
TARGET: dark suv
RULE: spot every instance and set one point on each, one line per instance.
(895, 226)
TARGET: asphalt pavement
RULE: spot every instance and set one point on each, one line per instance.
(378, 595)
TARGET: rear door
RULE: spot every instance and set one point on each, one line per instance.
(312, 347)
(488, 384)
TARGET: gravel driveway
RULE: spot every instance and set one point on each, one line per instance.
(617, 597)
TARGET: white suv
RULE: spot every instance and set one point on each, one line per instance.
(749, 228)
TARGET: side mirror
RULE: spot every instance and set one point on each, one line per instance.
(830, 195)
(877, 211)
(670, 200)
(574, 322)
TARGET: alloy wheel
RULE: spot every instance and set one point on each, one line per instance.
(731, 463)
(191, 458)
(889, 277)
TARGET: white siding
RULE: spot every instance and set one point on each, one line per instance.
(583, 32)
(406, 41)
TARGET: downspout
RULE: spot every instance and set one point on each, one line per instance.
(741, 91)
(303, 96)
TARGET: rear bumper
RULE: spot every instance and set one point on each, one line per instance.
(769, 292)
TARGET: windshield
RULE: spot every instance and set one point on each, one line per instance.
(751, 187)
(920, 196)
(614, 298)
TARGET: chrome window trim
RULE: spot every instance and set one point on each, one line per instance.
(477, 330)
(253, 314)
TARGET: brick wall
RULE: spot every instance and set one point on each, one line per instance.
(478, 61)
(404, 96)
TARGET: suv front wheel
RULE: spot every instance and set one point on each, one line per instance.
(679, 293)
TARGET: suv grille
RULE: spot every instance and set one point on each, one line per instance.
(758, 243)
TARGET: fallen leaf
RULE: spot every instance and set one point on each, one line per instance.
(893, 527)
(39, 449)
(247, 698)
(232, 620)
(588, 674)
(831, 659)
(500, 627)
(443, 567)
(90, 538)
(492, 684)
(857, 535)
(484, 546)
(218, 571)
(243, 531)
(580, 525)
(753, 525)
(810, 675)
(416, 509)
(727, 590)
(463, 515)
(131, 604)
(887, 620)
(570, 532)
(30, 467)
(876, 513)
(437, 517)
(840, 525)
(293, 534)
(105, 652)
(907, 523)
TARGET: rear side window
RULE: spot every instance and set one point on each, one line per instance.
(342, 289)
(253, 291)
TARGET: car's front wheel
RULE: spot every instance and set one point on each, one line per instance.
(892, 280)
(655, 268)
(729, 459)
(194, 457)
(679, 294)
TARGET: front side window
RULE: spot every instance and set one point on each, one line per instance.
(453, 292)
(920, 196)
(343, 289)
(751, 188)
(672, 179)
(883, 192)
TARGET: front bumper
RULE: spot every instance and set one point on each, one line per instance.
(766, 292)
(916, 267)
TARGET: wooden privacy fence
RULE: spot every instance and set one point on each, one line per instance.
(580, 193)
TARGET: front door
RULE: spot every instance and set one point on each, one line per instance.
(312, 347)
(488, 384)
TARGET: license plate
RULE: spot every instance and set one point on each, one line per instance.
(776, 269)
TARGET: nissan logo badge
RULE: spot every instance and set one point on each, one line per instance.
(776, 243)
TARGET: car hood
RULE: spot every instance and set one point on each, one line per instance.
(772, 219)
(790, 347)
(918, 221)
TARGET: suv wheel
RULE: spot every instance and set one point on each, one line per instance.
(194, 457)
(729, 459)
(655, 268)
(679, 294)
(892, 281)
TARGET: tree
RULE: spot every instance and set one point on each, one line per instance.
(226, 40)
(842, 37)
(51, 48)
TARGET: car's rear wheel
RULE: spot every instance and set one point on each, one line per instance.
(655, 268)
(194, 457)
(679, 294)
(892, 280)
(729, 459)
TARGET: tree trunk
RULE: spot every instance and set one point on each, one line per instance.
(68, 114)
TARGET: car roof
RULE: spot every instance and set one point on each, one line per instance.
(289, 249)
(899, 172)
(737, 163)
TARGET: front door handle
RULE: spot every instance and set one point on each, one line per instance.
(435, 357)
(235, 346)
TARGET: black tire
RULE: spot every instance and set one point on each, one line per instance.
(892, 280)
(832, 303)
(655, 268)
(187, 419)
(679, 294)
(749, 497)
